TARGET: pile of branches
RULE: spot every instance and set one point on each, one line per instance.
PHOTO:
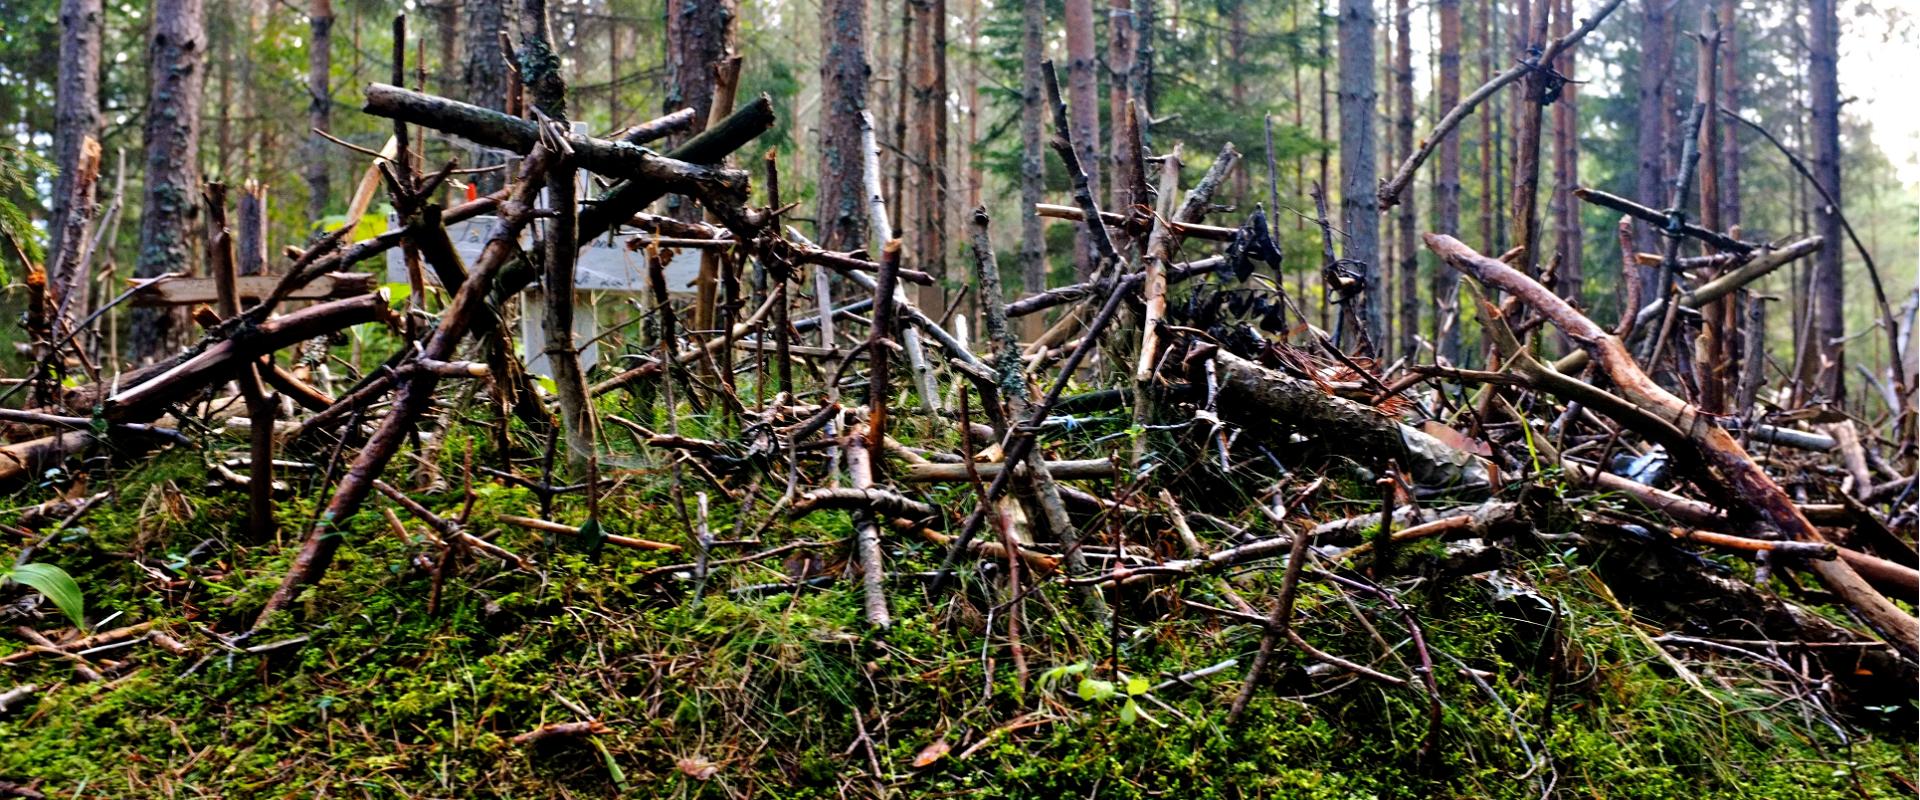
(1229, 385)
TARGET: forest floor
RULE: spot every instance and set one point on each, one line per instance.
(380, 688)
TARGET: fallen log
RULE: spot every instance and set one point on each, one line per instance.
(1718, 449)
(1258, 397)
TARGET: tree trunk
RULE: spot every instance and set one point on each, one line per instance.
(485, 76)
(1655, 60)
(1084, 97)
(176, 53)
(1730, 98)
(1120, 66)
(1237, 55)
(1409, 286)
(1360, 214)
(1326, 135)
(1530, 34)
(699, 34)
(1827, 359)
(76, 113)
(844, 73)
(1033, 159)
(1566, 167)
(1140, 81)
(1446, 188)
(928, 145)
(1712, 367)
(319, 104)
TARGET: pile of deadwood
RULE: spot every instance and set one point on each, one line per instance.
(1588, 451)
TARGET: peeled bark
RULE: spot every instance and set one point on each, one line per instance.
(844, 73)
(176, 53)
(1360, 216)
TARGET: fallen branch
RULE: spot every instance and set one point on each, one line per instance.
(1715, 446)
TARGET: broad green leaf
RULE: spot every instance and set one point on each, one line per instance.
(57, 585)
(1136, 686)
(1091, 689)
(1130, 711)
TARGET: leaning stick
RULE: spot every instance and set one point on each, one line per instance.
(1716, 447)
(414, 395)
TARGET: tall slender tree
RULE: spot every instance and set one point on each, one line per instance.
(928, 145)
(1409, 253)
(1566, 165)
(176, 57)
(485, 77)
(76, 119)
(1730, 99)
(699, 36)
(1656, 58)
(1033, 253)
(1531, 25)
(319, 104)
(1446, 188)
(1359, 214)
(1829, 322)
(1121, 45)
(844, 74)
(1084, 97)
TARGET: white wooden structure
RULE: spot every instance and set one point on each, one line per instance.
(605, 266)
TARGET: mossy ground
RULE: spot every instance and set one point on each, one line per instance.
(770, 692)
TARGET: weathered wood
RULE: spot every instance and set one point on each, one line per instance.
(198, 291)
(937, 472)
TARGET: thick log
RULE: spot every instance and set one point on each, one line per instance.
(1258, 397)
(1717, 448)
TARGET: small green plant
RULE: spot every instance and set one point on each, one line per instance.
(1095, 690)
(56, 584)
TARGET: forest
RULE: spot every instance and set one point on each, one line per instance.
(942, 398)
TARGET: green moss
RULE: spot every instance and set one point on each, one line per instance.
(383, 699)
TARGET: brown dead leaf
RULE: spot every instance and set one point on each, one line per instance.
(931, 753)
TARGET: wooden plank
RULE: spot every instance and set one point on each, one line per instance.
(190, 291)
